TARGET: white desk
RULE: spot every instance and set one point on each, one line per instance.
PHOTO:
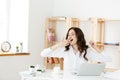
(49, 75)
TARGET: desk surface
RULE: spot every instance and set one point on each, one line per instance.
(50, 75)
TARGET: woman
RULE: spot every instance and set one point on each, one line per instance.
(73, 49)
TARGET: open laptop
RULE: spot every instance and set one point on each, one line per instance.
(87, 69)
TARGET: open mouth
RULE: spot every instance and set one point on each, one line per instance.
(71, 40)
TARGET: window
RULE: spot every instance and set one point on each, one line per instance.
(14, 23)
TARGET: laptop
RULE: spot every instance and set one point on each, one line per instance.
(87, 69)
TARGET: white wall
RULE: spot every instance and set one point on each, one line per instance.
(87, 8)
(39, 10)
(10, 66)
(84, 9)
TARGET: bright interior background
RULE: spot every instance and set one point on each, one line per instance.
(40, 9)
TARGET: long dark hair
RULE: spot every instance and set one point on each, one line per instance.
(81, 42)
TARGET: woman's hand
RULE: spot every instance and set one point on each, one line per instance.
(94, 46)
(92, 43)
(61, 44)
(64, 43)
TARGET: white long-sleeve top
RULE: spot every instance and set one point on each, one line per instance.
(71, 59)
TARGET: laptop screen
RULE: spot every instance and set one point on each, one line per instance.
(87, 69)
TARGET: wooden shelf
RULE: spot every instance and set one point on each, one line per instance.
(14, 54)
(97, 33)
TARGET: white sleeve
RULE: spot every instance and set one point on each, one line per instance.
(59, 52)
(99, 57)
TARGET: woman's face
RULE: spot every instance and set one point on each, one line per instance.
(72, 37)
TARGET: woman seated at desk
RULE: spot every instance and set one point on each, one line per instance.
(74, 50)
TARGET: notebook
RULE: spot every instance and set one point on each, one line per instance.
(87, 69)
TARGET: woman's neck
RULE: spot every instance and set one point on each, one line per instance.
(75, 48)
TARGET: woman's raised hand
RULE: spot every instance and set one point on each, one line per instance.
(92, 43)
(95, 47)
(64, 42)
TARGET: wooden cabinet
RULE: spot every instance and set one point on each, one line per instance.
(97, 33)
(50, 39)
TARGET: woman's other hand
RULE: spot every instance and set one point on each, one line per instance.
(92, 43)
(94, 46)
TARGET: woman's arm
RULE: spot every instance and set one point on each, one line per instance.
(63, 43)
(98, 57)
(94, 47)
(56, 50)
